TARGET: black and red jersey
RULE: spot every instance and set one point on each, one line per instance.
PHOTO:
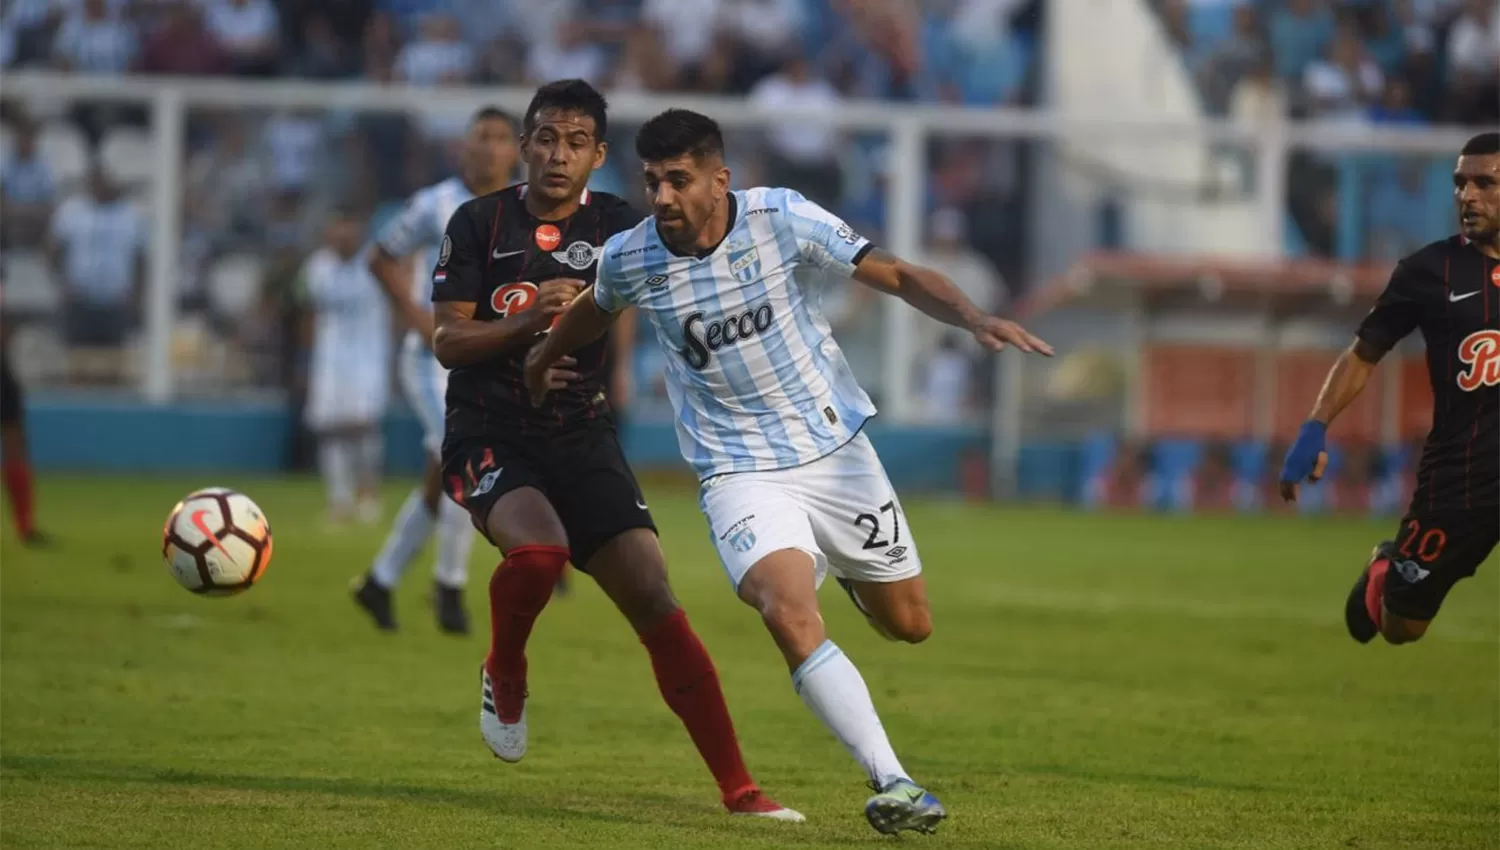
(1451, 292)
(494, 255)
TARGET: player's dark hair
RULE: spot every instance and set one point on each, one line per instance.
(569, 96)
(1483, 144)
(679, 132)
(492, 113)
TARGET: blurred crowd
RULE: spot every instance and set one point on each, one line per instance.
(971, 51)
(259, 183)
(1370, 62)
(1378, 61)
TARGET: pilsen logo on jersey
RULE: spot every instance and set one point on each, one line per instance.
(1480, 352)
(579, 256)
(700, 340)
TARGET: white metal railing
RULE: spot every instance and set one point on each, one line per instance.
(908, 127)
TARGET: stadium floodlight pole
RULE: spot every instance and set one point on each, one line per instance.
(168, 125)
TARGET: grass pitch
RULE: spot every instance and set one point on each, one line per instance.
(1093, 682)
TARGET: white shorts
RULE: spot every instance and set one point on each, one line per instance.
(840, 509)
(338, 399)
(424, 381)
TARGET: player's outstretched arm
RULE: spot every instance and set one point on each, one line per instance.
(1307, 456)
(582, 323)
(395, 281)
(460, 340)
(934, 294)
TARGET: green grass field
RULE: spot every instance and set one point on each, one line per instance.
(1093, 682)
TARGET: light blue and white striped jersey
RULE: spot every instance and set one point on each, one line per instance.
(753, 372)
(351, 320)
(418, 229)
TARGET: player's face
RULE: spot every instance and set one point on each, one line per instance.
(684, 192)
(343, 236)
(561, 153)
(490, 151)
(1476, 191)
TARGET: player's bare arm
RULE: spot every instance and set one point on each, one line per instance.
(1346, 380)
(460, 340)
(934, 294)
(622, 351)
(582, 323)
(394, 275)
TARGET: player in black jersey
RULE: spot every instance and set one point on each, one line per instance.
(1451, 291)
(546, 485)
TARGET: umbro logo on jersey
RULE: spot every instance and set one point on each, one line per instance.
(500, 255)
(1455, 297)
(656, 281)
(579, 255)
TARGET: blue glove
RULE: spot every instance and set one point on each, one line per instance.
(1302, 459)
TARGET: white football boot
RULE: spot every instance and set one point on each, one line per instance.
(506, 740)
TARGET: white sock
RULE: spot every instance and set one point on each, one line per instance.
(371, 451)
(832, 688)
(455, 538)
(336, 462)
(409, 533)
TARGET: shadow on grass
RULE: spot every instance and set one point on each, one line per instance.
(640, 808)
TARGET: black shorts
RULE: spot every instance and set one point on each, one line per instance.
(11, 411)
(1433, 552)
(582, 472)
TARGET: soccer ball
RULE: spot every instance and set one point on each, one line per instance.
(216, 542)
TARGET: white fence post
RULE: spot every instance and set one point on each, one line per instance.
(904, 216)
(168, 125)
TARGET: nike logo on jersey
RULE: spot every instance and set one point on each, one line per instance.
(640, 504)
(500, 255)
(1455, 297)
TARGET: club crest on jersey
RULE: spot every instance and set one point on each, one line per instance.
(1480, 353)
(744, 265)
(579, 256)
(445, 251)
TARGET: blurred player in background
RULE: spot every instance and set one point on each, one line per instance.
(1450, 290)
(770, 416)
(348, 370)
(14, 453)
(551, 484)
(402, 260)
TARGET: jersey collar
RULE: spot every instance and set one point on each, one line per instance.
(734, 213)
(583, 200)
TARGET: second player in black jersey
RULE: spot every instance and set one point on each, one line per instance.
(498, 255)
(552, 485)
(1450, 291)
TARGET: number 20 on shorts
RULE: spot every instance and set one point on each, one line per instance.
(1425, 546)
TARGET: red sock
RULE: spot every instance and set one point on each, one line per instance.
(18, 487)
(690, 685)
(519, 590)
(1375, 590)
